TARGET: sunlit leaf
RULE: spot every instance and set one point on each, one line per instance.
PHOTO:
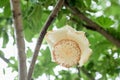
(29, 53)
(3, 3)
(1, 53)
(104, 21)
(13, 63)
(44, 64)
(61, 22)
(7, 10)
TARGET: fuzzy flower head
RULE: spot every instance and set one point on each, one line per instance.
(68, 47)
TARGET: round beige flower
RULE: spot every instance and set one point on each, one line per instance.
(68, 47)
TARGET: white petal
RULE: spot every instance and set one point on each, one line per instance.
(85, 56)
(68, 33)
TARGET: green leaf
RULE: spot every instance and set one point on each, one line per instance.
(44, 64)
(100, 47)
(12, 32)
(3, 3)
(36, 72)
(61, 22)
(28, 34)
(72, 2)
(29, 53)
(67, 75)
(96, 1)
(0, 31)
(113, 9)
(4, 71)
(105, 22)
(87, 3)
(115, 33)
(33, 22)
(5, 39)
(35, 16)
(14, 64)
(1, 53)
(7, 10)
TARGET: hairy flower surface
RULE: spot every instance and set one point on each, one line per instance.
(68, 47)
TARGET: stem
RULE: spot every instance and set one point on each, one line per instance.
(93, 25)
(4, 59)
(78, 69)
(15, 7)
(42, 34)
(87, 74)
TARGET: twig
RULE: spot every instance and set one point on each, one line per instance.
(87, 74)
(93, 25)
(15, 7)
(4, 59)
(42, 34)
(78, 69)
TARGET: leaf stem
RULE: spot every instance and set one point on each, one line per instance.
(87, 74)
(78, 69)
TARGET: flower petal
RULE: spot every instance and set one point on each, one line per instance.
(67, 38)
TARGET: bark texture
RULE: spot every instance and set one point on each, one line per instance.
(17, 18)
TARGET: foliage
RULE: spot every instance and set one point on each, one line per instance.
(44, 64)
(105, 58)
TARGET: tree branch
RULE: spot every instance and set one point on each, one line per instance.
(93, 25)
(87, 26)
(42, 34)
(15, 7)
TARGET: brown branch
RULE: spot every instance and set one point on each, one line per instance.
(42, 34)
(15, 7)
(87, 26)
(93, 25)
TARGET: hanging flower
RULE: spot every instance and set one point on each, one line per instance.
(68, 47)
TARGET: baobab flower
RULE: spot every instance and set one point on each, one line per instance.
(68, 47)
